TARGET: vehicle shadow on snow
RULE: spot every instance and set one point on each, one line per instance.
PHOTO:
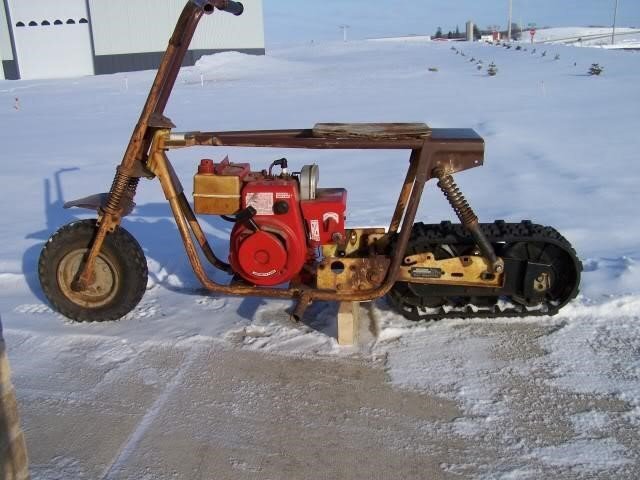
(151, 224)
(55, 216)
(153, 227)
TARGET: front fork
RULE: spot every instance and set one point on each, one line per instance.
(119, 199)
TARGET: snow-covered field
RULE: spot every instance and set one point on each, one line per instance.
(625, 37)
(553, 396)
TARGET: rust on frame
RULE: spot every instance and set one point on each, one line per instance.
(342, 274)
(469, 270)
(358, 242)
(372, 277)
(146, 156)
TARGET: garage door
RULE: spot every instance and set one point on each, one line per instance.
(58, 45)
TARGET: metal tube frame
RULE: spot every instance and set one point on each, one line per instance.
(134, 157)
(145, 156)
(447, 153)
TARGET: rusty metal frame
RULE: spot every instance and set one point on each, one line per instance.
(451, 150)
(145, 156)
(467, 270)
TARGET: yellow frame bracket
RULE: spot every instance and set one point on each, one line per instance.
(468, 270)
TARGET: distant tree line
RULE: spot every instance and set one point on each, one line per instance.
(477, 33)
(450, 34)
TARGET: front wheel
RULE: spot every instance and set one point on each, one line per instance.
(120, 273)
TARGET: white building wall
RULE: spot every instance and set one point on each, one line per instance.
(54, 51)
(136, 26)
(114, 36)
(38, 10)
(53, 40)
(222, 30)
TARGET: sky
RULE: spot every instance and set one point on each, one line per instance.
(299, 21)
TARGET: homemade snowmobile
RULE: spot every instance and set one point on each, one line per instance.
(289, 238)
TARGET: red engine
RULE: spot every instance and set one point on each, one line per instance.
(292, 217)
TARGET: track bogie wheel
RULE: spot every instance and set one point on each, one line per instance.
(410, 299)
(120, 274)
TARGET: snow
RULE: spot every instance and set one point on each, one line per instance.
(561, 149)
(588, 36)
(603, 453)
(408, 38)
(586, 349)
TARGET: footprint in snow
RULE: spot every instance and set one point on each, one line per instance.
(280, 317)
(144, 310)
(212, 303)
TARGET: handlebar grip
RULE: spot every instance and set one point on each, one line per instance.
(207, 6)
(230, 6)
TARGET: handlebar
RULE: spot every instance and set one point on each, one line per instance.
(207, 6)
(230, 6)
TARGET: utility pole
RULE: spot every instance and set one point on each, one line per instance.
(613, 31)
(344, 31)
(509, 27)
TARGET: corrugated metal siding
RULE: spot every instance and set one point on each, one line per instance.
(5, 40)
(128, 34)
(224, 31)
(125, 26)
(10, 69)
(130, 62)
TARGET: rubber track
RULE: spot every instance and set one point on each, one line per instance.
(497, 232)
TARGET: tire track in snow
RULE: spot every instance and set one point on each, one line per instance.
(114, 469)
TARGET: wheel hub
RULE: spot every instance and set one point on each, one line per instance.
(100, 291)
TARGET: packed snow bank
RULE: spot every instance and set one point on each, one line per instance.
(227, 66)
(587, 349)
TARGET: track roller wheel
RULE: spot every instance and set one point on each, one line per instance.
(409, 299)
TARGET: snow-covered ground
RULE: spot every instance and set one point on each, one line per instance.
(561, 149)
(625, 37)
